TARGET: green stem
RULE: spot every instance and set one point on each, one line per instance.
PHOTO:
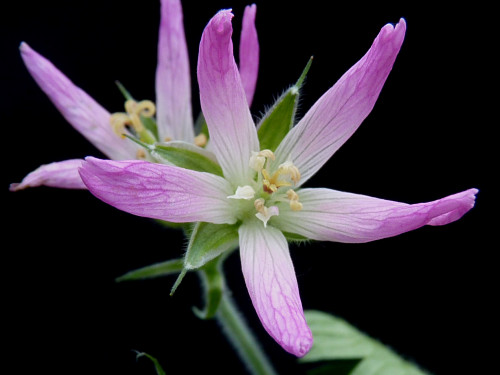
(243, 340)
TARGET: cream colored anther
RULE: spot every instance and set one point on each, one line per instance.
(295, 205)
(134, 110)
(264, 213)
(258, 159)
(200, 140)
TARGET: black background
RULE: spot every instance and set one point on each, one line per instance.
(428, 293)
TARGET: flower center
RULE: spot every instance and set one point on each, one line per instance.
(268, 189)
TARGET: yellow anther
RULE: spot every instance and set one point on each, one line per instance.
(267, 154)
(200, 140)
(272, 183)
(295, 205)
(292, 195)
(136, 122)
(146, 108)
(167, 139)
(141, 154)
(290, 169)
(258, 159)
(118, 122)
(132, 117)
(259, 205)
(264, 213)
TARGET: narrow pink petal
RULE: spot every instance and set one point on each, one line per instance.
(340, 111)
(329, 215)
(249, 53)
(77, 107)
(271, 282)
(63, 174)
(233, 135)
(173, 83)
(159, 191)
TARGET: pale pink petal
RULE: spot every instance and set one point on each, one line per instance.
(77, 107)
(340, 111)
(159, 191)
(272, 285)
(173, 83)
(63, 174)
(249, 53)
(329, 215)
(233, 135)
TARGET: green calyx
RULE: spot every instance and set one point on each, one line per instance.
(280, 118)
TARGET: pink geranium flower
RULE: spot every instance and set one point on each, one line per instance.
(173, 98)
(261, 191)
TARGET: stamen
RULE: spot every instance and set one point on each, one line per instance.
(243, 192)
(295, 205)
(118, 122)
(200, 140)
(132, 117)
(141, 154)
(256, 162)
(288, 168)
(146, 108)
(272, 183)
(167, 139)
(292, 195)
(258, 159)
(265, 213)
(267, 154)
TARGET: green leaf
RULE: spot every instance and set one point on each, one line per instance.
(208, 241)
(335, 339)
(280, 118)
(186, 155)
(159, 369)
(213, 282)
(169, 267)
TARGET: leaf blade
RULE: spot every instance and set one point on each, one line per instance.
(335, 339)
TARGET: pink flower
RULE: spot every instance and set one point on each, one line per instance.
(173, 98)
(261, 191)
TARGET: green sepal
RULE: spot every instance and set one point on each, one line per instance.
(186, 155)
(150, 124)
(208, 241)
(280, 118)
(169, 267)
(294, 237)
(337, 340)
(126, 94)
(158, 368)
(187, 228)
(213, 282)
